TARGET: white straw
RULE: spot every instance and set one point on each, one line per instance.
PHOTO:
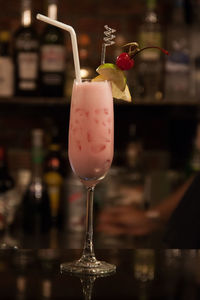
(73, 39)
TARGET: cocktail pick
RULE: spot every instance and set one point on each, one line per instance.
(108, 41)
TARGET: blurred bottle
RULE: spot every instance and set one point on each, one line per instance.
(177, 73)
(75, 204)
(23, 179)
(151, 64)
(52, 57)
(6, 66)
(26, 54)
(36, 212)
(54, 177)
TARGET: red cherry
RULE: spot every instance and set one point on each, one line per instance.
(124, 62)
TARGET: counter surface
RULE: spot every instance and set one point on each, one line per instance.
(141, 274)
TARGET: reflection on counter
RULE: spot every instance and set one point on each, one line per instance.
(141, 274)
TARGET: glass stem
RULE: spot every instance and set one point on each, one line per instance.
(88, 251)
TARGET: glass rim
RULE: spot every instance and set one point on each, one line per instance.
(90, 80)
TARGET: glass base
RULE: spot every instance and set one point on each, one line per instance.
(88, 268)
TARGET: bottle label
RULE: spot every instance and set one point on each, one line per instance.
(26, 44)
(54, 195)
(53, 58)
(6, 77)
(150, 39)
(28, 65)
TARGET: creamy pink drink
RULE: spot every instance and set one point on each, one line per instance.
(91, 129)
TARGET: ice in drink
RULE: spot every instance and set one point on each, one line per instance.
(91, 129)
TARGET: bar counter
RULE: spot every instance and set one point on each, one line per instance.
(141, 274)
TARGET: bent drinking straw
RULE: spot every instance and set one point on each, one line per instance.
(71, 30)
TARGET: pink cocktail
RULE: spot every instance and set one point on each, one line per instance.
(91, 142)
(91, 130)
(91, 135)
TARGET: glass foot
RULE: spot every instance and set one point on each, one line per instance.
(88, 268)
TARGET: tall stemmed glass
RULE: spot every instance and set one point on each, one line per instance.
(91, 143)
(91, 135)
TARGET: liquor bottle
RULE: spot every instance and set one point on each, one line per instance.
(151, 65)
(26, 55)
(36, 214)
(6, 66)
(52, 57)
(177, 73)
(54, 176)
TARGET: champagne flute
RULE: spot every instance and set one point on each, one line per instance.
(91, 139)
(91, 143)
